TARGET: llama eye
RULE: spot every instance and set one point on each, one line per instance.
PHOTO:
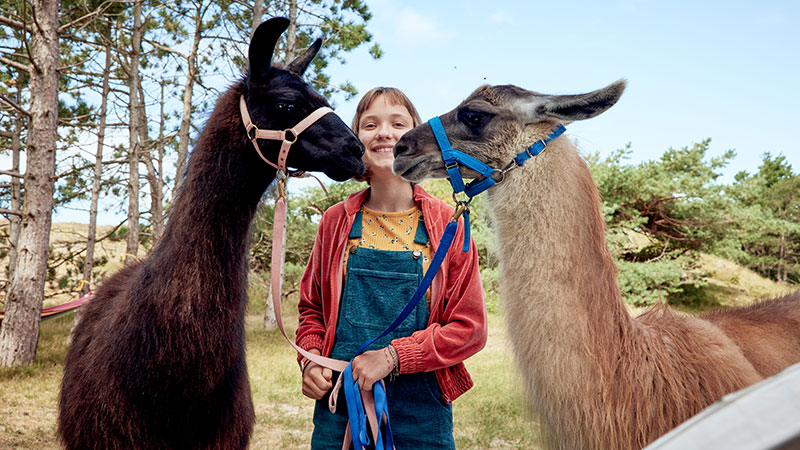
(284, 107)
(473, 119)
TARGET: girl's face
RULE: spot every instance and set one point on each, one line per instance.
(379, 128)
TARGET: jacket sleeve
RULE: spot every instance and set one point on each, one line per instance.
(462, 330)
(311, 327)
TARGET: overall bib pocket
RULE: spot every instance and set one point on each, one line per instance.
(366, 287)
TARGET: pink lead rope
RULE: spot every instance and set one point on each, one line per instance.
(287, 138)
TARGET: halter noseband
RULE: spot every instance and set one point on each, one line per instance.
(489, 175)
(287, 137)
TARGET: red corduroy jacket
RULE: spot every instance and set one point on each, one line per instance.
(457, 328)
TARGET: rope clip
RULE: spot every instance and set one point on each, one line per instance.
(462, 206)
(282, 179)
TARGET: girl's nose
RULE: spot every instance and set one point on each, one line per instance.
(384, 131)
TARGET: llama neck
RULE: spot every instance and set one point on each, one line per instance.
(203, 250)
(559, 279)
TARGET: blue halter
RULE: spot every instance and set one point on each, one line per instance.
(490, 176)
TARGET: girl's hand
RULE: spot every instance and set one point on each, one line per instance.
(316, 380)
(371, 367)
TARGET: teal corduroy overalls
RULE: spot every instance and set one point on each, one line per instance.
(379, 283)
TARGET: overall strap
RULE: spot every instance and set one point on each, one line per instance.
(355, 230)
(421, 236)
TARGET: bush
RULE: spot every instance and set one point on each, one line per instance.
(490, 276)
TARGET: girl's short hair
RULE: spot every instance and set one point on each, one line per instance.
(393, 95)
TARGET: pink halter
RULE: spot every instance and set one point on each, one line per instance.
(288, 136)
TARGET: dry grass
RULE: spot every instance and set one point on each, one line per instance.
(491, 415)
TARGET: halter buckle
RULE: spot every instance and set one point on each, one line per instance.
(501, 178)
(252, 131)
(287, 132)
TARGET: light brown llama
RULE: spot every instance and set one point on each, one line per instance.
(599, 378)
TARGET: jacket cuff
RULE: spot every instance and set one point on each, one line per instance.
(308, 342)
(410, 354)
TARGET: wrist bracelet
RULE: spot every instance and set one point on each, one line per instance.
(396, 370)
(303, 364)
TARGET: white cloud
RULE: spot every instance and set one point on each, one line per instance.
(501, 17)
(418, 29)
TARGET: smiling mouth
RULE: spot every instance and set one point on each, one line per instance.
(383, 150)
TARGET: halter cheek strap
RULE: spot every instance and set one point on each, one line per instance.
(489, 175)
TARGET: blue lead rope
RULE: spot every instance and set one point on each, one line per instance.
(352, 394)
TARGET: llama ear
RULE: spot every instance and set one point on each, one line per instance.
(569, 108)
(300, 64)
(264, 41)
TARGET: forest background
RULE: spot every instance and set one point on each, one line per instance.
(101, 101)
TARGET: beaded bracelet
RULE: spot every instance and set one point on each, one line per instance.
(396, 359)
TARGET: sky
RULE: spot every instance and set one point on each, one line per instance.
(724, 70)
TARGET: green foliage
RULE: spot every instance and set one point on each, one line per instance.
(766, 237)
(304, 210)
(659, 216)
(490, 277)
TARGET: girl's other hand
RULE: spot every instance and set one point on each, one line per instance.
(372, 366)
(316, 380)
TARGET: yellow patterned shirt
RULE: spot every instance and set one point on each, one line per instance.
(391, 231)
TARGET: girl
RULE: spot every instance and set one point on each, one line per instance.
(369, 257)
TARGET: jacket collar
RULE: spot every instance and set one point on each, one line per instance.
(431, 209)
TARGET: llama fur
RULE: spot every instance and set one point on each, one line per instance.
(598, 377)
(158, 360)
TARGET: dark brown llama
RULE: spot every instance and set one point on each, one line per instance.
(599, 378)
(158, 361)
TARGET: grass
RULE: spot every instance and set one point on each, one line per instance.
(491, 415)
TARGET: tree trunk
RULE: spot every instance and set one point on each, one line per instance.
(132, 241)
(91, 238)
(186, 114)
(16, 191)
(152, 177)
(258, 16)
(20, 328)
(157, 177)
(270, 322)
(291, 33)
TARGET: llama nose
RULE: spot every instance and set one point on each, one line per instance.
(400, 149)
(357, 149)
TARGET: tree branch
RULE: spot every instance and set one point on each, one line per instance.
(13, 23)
(10, 212)
(10, 173)
(101, 9)
(166, 49)
(16, 65)
(12, 104)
